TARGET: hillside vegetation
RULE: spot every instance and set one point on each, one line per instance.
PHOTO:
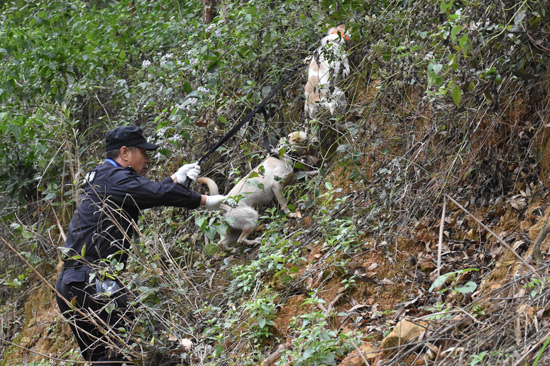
(422, 240)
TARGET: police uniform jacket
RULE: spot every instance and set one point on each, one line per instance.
(109, 207)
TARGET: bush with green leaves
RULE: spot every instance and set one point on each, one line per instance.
(314, 342)
(262, 311)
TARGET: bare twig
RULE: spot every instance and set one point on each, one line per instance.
(42, 354)
(47, 283)
(360, 353)
(536, 254)
(496, 236)
(525, 354)
(274, 357)
(440, 244)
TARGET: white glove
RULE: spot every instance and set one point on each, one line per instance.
(190, 171)
(214, 202)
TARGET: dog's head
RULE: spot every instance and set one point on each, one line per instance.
(338, 34)
(296, 143)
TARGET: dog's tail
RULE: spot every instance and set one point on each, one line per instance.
(212, 186)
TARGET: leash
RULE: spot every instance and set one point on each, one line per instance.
(259, 107)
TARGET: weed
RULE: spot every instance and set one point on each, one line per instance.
(453, 277)
(262, 312)
(314, 343)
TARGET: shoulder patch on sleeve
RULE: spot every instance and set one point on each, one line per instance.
(90, 176)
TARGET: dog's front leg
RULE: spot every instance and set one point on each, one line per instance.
(346, 70)
(243, 238)
(277, 189)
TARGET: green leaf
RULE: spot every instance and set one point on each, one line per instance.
(433, 74)
(200, 221)
(212, 66)
(282, 152)
(444, 6)
(110, 307)
(453, 62)
(456, 94)
(456, 29)
(469, 287)
(16, 130)
(343, 148)
(440, 281)
(211, 249)
(187, 87)
(83, 251)
(307, 353)
(435, 68)
(465, 44)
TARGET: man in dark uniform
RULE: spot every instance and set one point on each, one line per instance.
(99, 237)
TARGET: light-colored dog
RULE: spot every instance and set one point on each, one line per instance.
(263, 184)
(328, 66)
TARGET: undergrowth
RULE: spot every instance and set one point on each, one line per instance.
(445, 97)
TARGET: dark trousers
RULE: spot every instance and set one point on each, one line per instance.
(74, 285)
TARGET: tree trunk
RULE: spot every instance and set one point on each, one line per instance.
(208, 11)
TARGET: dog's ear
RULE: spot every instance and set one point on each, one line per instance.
(341, 28)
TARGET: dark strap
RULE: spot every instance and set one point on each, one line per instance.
(246, 119)
(267, 146)
(250, 114)
(73, 264)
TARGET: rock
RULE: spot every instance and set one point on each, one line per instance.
(404, 332)
(355, 359)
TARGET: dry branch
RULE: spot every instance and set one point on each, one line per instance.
(537, 255)
(274, 357)
(496, 236)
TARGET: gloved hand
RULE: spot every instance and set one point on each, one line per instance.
(190, 171)
(214, 202)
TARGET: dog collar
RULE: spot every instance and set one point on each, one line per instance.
(346, 38)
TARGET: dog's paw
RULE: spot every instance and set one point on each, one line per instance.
(254, 242)
(295, 215)
(231, 202)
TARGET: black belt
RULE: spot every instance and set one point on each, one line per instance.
(73, 264)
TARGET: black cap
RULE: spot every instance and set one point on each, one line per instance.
(127, 136)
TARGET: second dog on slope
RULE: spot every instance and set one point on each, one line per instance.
(328, 66)
(263, 184)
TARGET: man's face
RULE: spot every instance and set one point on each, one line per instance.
(138, 159)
